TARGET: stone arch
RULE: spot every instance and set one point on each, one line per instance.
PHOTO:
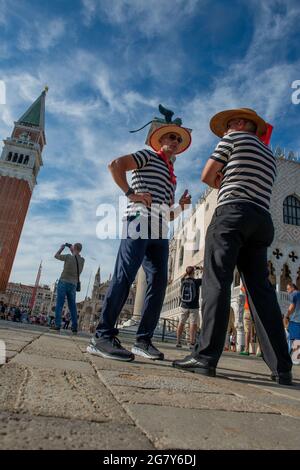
(171, 267)
(181, 256)
(285, 277)
(196, 242)
(272, 273)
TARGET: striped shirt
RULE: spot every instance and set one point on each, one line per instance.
(249, 169)
(151, 176)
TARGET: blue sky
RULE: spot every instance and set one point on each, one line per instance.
(108, 63)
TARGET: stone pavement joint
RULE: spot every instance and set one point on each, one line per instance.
(53, 395)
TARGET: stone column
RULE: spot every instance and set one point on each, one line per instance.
(141, 288)
(240, 340)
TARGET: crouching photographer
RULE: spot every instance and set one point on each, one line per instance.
(68, 283)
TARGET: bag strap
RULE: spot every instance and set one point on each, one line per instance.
(77, 268)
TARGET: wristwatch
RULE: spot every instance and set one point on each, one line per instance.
(130, 191)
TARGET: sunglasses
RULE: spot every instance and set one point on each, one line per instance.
(175, 137)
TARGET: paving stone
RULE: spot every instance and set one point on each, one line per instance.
(11, 378)
(210, 429)
(15, 345)
(7, 335)
(53, 386)
(27, 432)
(191, 400)
(10, 354)
(52, 345)
(35, 360)
(184, 384)
(58, 393)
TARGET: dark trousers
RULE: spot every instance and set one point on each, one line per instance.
(153, 256)
(239, 235)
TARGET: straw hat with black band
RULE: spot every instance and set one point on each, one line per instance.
(158, 129)
(219, 121)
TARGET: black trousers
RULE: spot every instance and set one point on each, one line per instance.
(239, 235)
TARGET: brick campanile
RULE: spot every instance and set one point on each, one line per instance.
(20, 163)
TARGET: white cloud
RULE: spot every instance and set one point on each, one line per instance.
(151, 17)
(35, 36)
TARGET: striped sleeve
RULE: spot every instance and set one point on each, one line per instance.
(223, 150)
(142, 158)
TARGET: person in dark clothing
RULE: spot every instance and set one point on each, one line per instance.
(243, 168)
(189, 304)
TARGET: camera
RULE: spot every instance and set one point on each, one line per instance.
(68, 245)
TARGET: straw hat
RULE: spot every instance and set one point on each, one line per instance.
(219, 121)
(158, 129)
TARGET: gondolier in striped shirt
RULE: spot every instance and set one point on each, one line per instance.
(145, 239)
(243, 168)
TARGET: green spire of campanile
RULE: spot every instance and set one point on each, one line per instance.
(35, 115)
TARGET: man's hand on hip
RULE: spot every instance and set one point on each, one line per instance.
(144, 198)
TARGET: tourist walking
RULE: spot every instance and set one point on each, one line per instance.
(189, 304)
(292, 317)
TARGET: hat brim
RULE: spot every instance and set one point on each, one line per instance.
(218, 123)
(185, 134)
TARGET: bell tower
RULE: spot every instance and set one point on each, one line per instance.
(20, 164)
(97, 283)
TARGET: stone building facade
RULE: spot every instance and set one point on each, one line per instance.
(89, 310)
(187, 244)
(19, 295)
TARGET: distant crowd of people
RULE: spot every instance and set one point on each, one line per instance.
(25, 315)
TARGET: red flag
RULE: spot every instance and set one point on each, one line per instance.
(266, 137)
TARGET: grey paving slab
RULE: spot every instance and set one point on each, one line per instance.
(55, 346)
(203, 429)
(53, 388)
(18, 333)
(12, 376)
(66, 394)
(10, 354)
(35, 360)
(191, 383)
(15, 345)
(148, 366)
(190, 400)
(38, 432)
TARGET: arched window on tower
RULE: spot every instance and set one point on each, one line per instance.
(15, 157)
(26, 160)
(9, 156)
(291, 210)
(21, 158)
